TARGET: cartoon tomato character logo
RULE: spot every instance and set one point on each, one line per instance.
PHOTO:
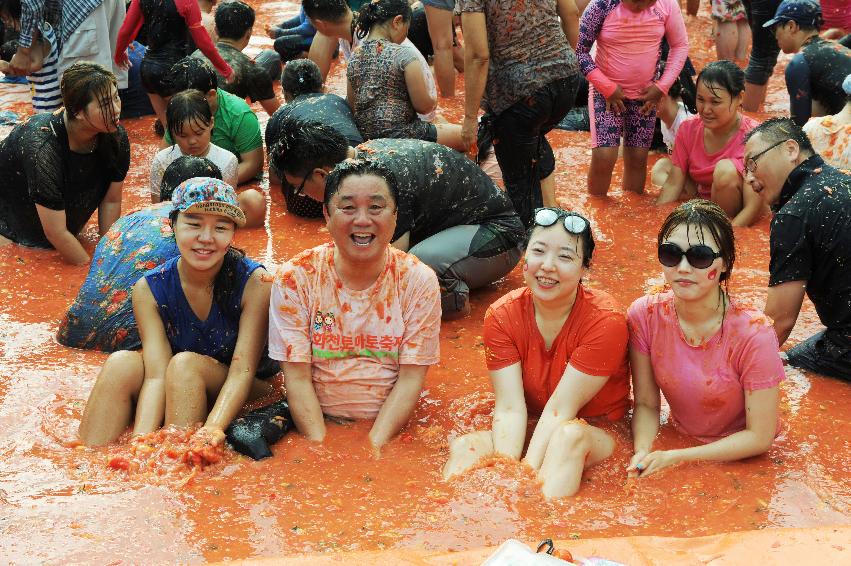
(317, 321)
(329, 321)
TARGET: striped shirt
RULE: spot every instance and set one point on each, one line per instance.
(33, 12)
(44, 83)
(73, 14)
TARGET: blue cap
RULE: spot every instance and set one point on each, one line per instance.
(802, 12)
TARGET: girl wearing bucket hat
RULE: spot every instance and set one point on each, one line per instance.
(202, 317)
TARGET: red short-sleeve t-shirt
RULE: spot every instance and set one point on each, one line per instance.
(593, 339)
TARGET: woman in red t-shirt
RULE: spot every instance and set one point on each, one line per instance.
(556, 349)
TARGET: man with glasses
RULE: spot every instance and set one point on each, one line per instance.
(810, 242)
(355, 322)
(451, 214)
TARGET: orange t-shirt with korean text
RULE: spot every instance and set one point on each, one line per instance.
(593, 340)
(355, 341)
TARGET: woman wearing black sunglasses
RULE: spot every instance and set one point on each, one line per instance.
(717, 363)
(557, 350)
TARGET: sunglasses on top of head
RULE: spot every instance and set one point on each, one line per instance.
(574, 223)
(700, 256)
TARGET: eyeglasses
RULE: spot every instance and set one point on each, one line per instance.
(699, 257)
(299, 191)
(574, 223)
(750, 164)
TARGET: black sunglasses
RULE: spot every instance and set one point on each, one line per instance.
(574, 223)
(699, 256)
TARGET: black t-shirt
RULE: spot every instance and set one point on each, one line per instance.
(249, 79)
(811, 241)
(328, 109)
(440, 188)
(168, 35)
(38, 167)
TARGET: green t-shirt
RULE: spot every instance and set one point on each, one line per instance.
(237, 129)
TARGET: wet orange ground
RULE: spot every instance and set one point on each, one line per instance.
(61, 504)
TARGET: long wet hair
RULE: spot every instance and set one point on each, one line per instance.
(301, 76)
(82, 83)
(225, 281)
(724, 75)
(186, 107)
(379, 12)
(704, 216)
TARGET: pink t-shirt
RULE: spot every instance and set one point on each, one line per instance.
(705, 385)
(691, 157)
(355, 341)
(628, 48)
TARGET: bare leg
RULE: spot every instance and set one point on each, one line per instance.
(661, 170)
(634, 169)
(440, 30)
(253, 204)
(466, 450)
(450, 136)
(726, 40)
(744, 41)
(727, 187)
(754, 96)
(548, 190)
(4, 241)
(110, 405)
(159, 104)
(600, 173)
(573, 447)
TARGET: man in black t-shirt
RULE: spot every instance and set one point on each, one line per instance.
(810, 242)
(234, 23)
(451, 215)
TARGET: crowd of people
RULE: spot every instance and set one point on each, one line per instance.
(195, 329)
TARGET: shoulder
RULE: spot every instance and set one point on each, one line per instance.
(747, 124)
(691, 125)
(231, 103)
(600, 302)
(750, 324)
(301, 265)
(410, 268)
(510, 304)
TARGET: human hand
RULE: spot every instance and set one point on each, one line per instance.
(4, 67)
(651, 97)
(614, 103)
(20, 62)
(656, 461)
(833, 34)
(469, 133)
(205, 446)
(231, 78)
(632, 470)
(122, 60)
(271, 32)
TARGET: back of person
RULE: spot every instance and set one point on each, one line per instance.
(327, 108)
(440, 188)
(528, 49)
(829, 63)
(382, 105)
(250, 81)
(167, 31)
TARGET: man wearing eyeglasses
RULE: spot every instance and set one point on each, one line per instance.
(810, 242)
(451, 214)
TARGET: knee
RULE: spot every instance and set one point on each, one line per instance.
(479, 443)
(726, 175)
(571, 437)
(123, 371)
(253, 204)
(183, 370)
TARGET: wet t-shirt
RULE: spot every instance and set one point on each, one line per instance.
(355, 341)
(528, 49)
(249, 80)
(705, 384)
(440, 188)
(811, 241)
(37, 167)
(592, 340)
(328, 109)
(816, 74)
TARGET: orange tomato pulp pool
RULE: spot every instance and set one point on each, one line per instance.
(139, 502)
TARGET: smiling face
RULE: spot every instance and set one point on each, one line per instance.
(687, 282)
(361, 218)
(193, 137)
(771, 167)
(716, 106)
(203, 239)
(553, 264)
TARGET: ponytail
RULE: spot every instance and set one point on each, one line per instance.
(379, 12)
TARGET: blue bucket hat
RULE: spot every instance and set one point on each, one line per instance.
(203, 195)
(802, 12)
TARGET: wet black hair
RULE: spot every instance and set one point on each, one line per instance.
(82, 83)
(587, 236)
(328, 10)
(379, 12)
(190, 72)
(360, 167)
(723, 74)
(185, 107)
(301, 76)
(776, 130)
(8, 49)
(706, 215)
(186, 167)
(304, 145)
(233, 19)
